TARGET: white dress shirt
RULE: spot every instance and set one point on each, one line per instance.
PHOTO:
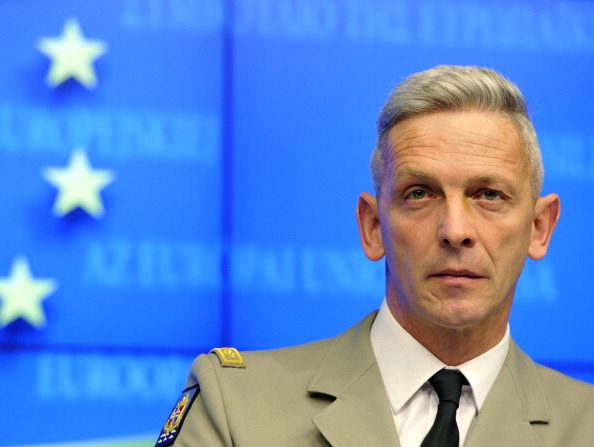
(406, 366)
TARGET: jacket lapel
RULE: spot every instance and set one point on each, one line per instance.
(360, 414)
(515, 402)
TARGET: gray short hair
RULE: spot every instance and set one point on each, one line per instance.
(456, 88)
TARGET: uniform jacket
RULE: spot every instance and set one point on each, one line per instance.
(330, 393)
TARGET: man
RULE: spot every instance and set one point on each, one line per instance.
(458, 173)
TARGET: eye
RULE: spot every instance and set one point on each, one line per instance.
(416, 194)
(490, 195)
(492, 199)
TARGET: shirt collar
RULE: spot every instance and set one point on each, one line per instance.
(406, 369)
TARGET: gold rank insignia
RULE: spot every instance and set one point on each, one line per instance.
(173, 425)
(229, 357)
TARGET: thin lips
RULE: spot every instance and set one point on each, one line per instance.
(461, 273)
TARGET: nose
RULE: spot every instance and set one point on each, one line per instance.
(455, 227)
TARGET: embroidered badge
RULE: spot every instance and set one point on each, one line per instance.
(173, 425)
(229, 357)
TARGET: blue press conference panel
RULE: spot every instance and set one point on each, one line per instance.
(154, 120)
(239, 134)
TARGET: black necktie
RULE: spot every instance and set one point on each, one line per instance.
(448, 386)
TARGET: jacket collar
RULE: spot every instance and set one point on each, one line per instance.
(515, 402)
(360, 413)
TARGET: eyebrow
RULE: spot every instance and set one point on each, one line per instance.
(412, 173)
(482, 179)
(492, 179)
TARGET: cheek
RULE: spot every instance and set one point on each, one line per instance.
(508, 246)
(408, 250)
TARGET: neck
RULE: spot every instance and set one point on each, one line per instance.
(454, 346)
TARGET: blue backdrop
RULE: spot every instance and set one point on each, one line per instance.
(236, 135)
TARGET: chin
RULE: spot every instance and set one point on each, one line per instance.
(460, 317)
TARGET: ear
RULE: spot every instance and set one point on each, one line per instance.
(369, 226)
(546, 215)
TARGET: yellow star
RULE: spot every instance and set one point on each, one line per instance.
(72, 56)
(78, 185)
(21, 295)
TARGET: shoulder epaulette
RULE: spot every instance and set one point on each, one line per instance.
(229, 357)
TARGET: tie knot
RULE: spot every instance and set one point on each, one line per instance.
(448, 385)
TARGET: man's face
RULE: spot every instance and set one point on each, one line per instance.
(456, 219)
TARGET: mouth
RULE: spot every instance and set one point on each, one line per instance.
(458, 272)
(456, 276)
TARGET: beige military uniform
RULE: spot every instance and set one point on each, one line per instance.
(330, 393)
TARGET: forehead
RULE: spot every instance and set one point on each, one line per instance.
(459, 143)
